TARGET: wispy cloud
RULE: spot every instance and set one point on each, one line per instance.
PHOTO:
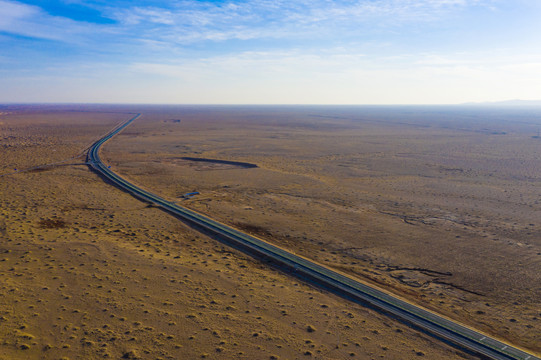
(310, 51)
(191, 21)
(185, 22)
(31, 21)
(335, 64)
(261, 64)
(138, 15)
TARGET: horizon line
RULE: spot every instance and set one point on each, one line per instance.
(506, 103)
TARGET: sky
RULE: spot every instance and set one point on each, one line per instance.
(270, 51)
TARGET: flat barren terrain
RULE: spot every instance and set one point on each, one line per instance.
(87, 271)
(439, 205)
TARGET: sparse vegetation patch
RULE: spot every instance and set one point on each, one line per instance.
(52, 223)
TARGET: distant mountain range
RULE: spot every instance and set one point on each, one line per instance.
(517, 102)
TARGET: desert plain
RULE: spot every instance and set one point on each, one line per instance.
(439, 205)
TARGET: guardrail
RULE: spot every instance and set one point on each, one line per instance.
(341, 284)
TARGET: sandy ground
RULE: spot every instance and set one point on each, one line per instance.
(438, 205)
(89, 272)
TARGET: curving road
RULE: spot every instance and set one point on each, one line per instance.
(429, 322)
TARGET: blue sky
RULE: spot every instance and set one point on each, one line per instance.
(270, 52)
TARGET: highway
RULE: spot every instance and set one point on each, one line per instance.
(429, 322)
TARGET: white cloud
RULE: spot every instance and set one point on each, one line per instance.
(138, 15)
(31, 21)
(12, 10)
(167, 58)
(258, 64)
(190, 21)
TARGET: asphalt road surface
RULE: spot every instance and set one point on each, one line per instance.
(427, 321)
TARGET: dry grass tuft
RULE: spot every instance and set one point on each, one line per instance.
(52, 223)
